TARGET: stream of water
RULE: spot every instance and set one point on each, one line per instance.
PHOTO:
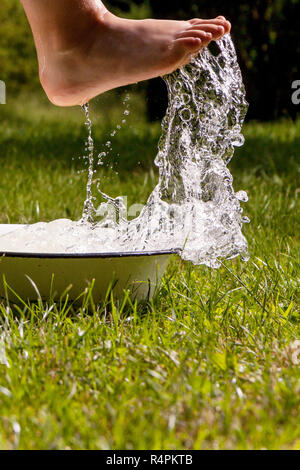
(194, 207)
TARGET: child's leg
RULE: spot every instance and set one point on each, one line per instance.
(84, 50)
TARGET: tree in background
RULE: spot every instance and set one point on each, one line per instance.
(18, 62)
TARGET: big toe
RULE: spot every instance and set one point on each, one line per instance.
(186, 45)
(184, 49)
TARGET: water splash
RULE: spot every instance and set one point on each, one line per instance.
(194, 206)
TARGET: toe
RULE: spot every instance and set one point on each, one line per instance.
(220, 21)
(188, 45)
(225, 23)
(195, 20)
(227, 27)
(216, 31)
(197, 33)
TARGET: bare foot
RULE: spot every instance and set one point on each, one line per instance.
(112, 52)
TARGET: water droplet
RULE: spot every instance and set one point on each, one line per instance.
(242, 196)
(238, 141)
(185, 114)
(186, 98)
(177, 86)
(227, 181)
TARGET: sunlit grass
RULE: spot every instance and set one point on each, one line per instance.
(211, 362)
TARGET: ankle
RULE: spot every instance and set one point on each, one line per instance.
(76, 34)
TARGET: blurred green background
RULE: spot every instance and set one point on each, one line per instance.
(266, 33)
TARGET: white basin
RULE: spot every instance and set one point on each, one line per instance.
(52, 274)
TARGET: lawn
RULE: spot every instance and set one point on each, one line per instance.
(212, 362)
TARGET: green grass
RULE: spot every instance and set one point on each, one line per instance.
(209, 363)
